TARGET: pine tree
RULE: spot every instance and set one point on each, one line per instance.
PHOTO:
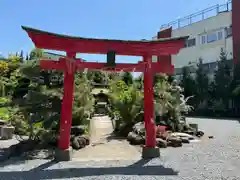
(21, 56)
(222, 79)
(27, 57)
(40, 95)
(127, 78)
(188, 83)
(202, 82)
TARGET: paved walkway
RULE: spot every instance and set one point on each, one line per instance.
(104, 146)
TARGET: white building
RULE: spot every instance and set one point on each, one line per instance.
(209, 31)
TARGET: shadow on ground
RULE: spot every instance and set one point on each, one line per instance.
(114, 136)
(6, 158)
(217, 118)
(42, 172)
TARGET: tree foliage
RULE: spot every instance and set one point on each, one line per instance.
(35, 95)
(32, 96)
(222, 80)
(215, 91)
(127, 78)
(188, 84)
(201, 82)
(127, 102)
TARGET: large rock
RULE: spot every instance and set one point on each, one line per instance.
(82, 142)
(135, 139)
(185, 140)
(174, 141)
(71, 138)
(191, 132)
(77, 130)
(131, 136)
(199, 133)
(87, 140)
(79, 142)
(124, 131)
(162, 133)
(75, 144)
(182, 135)
(161, 143)
(139, 128)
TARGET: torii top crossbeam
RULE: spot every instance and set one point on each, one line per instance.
(59, 42)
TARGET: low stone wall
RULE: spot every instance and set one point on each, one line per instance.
(6, 131)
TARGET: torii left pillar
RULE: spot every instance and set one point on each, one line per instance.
(149, 150)
(64, 153)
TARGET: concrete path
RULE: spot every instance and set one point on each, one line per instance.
(104, 146)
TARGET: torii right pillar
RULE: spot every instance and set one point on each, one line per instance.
(150, 150)
(236, 30)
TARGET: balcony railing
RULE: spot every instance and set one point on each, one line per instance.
(199, 16)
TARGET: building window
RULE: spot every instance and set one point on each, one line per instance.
(203, 39)
(220, 35)
(190, 42)
(211, 37)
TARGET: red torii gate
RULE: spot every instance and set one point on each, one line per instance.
(70, 64)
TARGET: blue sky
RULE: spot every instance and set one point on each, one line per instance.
(116, 19)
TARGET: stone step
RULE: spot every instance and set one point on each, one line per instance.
(6, 132)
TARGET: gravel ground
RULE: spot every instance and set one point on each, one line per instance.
(209, 159)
